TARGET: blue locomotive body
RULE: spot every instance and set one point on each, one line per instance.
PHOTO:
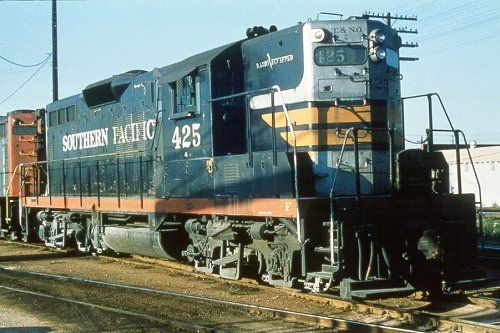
(283, 151)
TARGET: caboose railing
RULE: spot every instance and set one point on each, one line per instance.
(8, 197)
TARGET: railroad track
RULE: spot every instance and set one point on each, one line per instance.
(426, 322)
(300, 317)
(426, 319)
(431, 320)
(175, 324)
(417, 317)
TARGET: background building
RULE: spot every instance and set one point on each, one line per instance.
(487, 164)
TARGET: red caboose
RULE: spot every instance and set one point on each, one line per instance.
(21, 141)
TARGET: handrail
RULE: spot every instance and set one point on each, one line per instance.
(295, 163)
(356, 167)
(17, 170)
(242, 94)
(45, 166)
(328, 13)
(478, 187)
(272, 90)
(246, 93)
(457, 143)
(287, 115)
(7, 196)
(332, 256)
(440, 102)
(39, 164)
(132, 152)
(457, 148)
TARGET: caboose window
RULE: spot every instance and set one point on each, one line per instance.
(185, 94)
(3, 130)
(24, 130)
(340, 55)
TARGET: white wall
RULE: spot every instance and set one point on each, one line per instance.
(489, 177)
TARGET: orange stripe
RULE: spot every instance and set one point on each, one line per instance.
(308, 116)
(327, 137)
(237, 207)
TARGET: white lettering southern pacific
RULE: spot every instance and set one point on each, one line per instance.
(132, 132)
(84, 140)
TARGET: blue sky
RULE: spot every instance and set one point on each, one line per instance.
(459, 47)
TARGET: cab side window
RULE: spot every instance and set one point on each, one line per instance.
(71, 113)
(185, 94)
(62, 116)
(53, 118)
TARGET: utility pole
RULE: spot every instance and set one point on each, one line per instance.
(390, 19)
(55, 86)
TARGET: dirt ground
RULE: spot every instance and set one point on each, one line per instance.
(25, 313)
(16, 256)
(137, 273)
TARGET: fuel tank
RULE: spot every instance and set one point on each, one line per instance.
(143, 241)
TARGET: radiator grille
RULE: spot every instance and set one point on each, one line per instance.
(231, 179)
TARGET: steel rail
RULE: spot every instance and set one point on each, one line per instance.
(434, 321)
(416, 317)
(484, 301)
(172, 322)
(305, 318)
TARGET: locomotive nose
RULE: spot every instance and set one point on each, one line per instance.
(428, 244)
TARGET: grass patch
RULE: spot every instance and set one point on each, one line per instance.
(491, 228)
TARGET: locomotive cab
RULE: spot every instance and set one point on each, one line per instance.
(334, 75)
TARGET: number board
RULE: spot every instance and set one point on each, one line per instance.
(340, 55)
(186, 136)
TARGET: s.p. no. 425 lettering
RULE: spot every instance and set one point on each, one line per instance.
(187, 136)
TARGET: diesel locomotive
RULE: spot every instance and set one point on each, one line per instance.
(280, 156)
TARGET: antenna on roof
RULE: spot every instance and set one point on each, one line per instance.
(327, 13)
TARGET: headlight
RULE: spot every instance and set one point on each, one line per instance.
(380, 53)
(377, 36)
(377, 54)
(318, 35)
